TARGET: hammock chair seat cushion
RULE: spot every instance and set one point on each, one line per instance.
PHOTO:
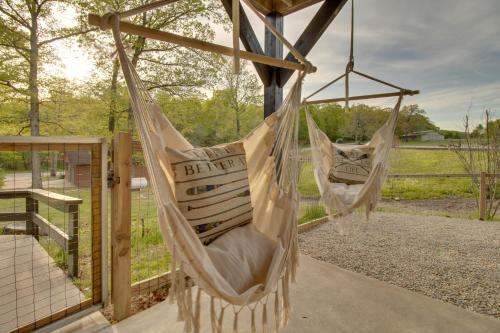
(243, 256)
(347, 193)
(212, 189)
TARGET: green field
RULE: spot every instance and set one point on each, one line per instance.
(411, 162)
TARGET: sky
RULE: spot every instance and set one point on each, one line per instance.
(448, 49)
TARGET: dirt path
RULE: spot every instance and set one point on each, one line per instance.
(454, 260)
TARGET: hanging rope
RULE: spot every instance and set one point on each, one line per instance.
(350, 64)
(350, 69)
(281, 38)
(236, 36)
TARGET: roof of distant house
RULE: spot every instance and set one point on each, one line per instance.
(78, 157)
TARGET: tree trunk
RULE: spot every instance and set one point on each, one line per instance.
(238, 125)
(114, 97)
(36, 177)
(140, 43)
(53, 163)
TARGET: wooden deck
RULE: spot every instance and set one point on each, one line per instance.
(32, 287)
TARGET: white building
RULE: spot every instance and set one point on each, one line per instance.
(423, 136)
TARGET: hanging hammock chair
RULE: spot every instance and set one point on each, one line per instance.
(350, 176)
(228, 213)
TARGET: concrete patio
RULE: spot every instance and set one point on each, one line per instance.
(326, 299)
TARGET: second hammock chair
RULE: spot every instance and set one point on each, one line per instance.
(350, 176)
(228, 213)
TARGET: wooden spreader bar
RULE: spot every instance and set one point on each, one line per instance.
(361, 97)
(168, 37)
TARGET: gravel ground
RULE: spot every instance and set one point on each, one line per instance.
(456, 261)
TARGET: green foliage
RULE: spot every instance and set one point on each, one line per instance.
(360, 122)
(310, 212)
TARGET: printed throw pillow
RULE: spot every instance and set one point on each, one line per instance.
(211, 186)
(351, 165)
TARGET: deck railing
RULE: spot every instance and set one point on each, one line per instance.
(38, 225)
(37, 289)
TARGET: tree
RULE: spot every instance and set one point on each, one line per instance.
(240, 91)
(412, 119)
(479, 151)
(162, 66)
(27, 31)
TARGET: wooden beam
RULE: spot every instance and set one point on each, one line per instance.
(273, 93)
(249, 40)
(325, 15)
(121, 201)
(47, 228)
(197, 44)
(361, 97)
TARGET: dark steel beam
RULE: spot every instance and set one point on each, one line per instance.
(312, 33)
(249, 40)
(273, 93)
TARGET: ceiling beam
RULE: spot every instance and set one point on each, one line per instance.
(312, 33)
(250, 41)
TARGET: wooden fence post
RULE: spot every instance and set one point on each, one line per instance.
(121, 226)
(31, 208)
(483, 191)
(73, 240)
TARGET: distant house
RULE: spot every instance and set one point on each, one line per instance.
(77, 168)
(423, 136)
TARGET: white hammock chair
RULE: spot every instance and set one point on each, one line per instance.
(343, 198)
(361, 187)
(247, 266)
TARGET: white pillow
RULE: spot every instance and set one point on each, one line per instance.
(211, 188)
(351, 165)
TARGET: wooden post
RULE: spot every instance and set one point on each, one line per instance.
(31, 208)
(73, 240)
(273, 93)
(483, 190)
(98, 222)
(121, 289)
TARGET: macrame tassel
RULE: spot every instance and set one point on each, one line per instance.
(264, 317)
(181, 292)
(173, 276)
(253, 326)
(188, 326)
(235, 321)
(277, 318)
(221, 318)
(213, 315)
(286, 298)
(196, 318)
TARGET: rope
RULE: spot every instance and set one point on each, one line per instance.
(281, 38)
(236, 36)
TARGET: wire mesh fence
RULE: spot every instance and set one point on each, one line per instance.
(45, 235)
